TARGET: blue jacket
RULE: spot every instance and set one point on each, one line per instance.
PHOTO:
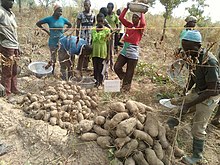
(68, 43)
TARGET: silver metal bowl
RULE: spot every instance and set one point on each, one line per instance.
(38, 68)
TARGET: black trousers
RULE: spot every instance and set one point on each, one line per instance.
(97, 68)
(127, 75)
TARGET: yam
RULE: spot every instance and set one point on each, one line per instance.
(152, 157)
(126, 127)
(100, 131)
(67, 125)
(40, 115)
(178, 153)
(54, 113)
(64, 108)
(87, 103)
(82, 94)
(48, 105)
(139, 125)
(139, 158)
(100, 120)
(89, 136)
(131, 107)
(76, 98)
(82, 102)
(94, 98)
(46, 117)
(141, 107)
(33, 98)
(52, 97)
(162, 137)
(67, 102)
(118, 118)
(104, 141)
(151, 125)
(80, 117)
(93, 104)
(53, 121)
(158, 150)
(120, 142)
(141, 135)
(117, 107)
(141, 117)
(116, 162)
(84, 126)
(70, 97)
(107, 124)
(129, 161)
(62, 95)
(78, 105)
(127, 149)
(35, 105)
(142, 145)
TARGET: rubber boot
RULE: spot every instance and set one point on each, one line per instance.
(198, 146)
(216, 119)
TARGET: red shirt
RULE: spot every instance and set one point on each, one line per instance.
(133, 35)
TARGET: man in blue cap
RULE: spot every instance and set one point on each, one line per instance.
(204, 96)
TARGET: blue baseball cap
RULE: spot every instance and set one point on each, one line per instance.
(193, 35)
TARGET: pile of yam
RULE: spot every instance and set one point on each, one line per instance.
(132, 129)
(63, 104)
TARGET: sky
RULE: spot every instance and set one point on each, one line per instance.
(212, 10)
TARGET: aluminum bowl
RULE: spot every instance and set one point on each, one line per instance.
(38, 68)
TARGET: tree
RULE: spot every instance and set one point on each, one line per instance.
(197, 10)
(169, 6)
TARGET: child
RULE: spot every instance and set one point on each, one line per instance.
(100, 36)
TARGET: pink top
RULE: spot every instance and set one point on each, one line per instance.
(133, 35)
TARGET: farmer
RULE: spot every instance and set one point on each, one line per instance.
(56, 24)
(9, 47)
(85, 21)
(129, 54)
(190, 25)
(69, 47)
(204, 96)
(112, 19)
(100, 35)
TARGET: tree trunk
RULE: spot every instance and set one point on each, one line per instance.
(164, 26)
(19, 6)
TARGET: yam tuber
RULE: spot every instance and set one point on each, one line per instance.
(126, 127)
(89, 136)
(143, 136)
(151, 125)
(139, 158)
(127, 149)
(104, 141)
(117, 107)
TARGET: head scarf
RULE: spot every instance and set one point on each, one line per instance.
(191, 19)
(137, 14)
(56, 6)
(193, 35)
